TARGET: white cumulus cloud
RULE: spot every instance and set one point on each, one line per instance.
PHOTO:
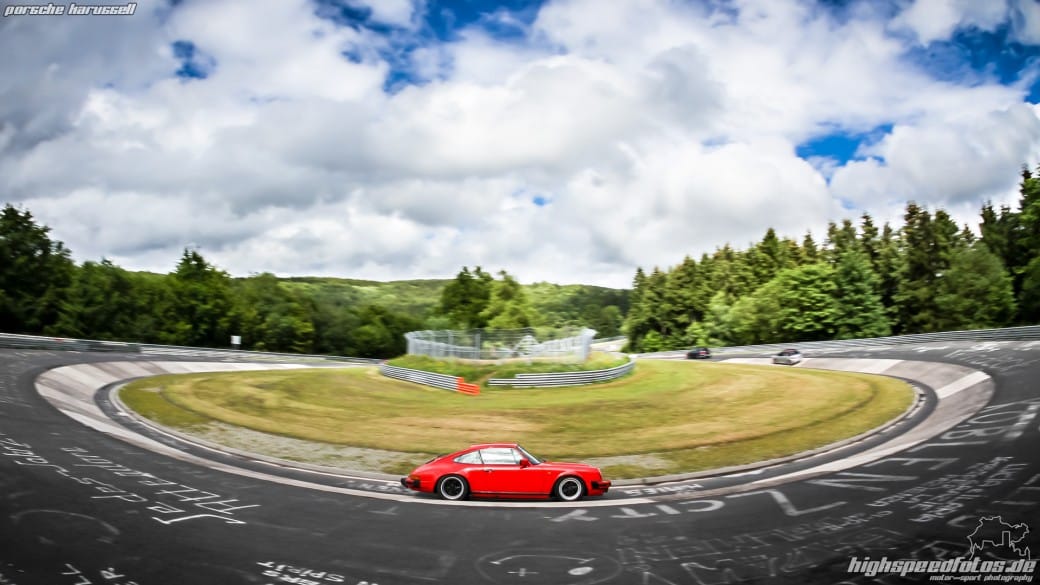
(593, 138)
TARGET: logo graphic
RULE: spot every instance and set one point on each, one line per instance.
(1004, 546)
(72, 9)
(1007, 539)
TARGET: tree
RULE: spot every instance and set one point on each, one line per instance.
(810, 252)
(34, 273)
(769, 256)
(840, 240)
(975, 292)
(102, 303)
(998, 233)
(678, 306)
(271, 318)
(201, 310)
(923, 263)
(716, 329)
(869, 242)
(805, 298)
(859, 311)
(1015, 238)
(755, 318)
(645, 314)
(465, 298)
(1029, 298)
(508, 307)
(1029, 206)
(380, 333)
(607, 322)
(889, 260)
(637, 324)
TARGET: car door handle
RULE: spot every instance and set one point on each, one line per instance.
(488, 470)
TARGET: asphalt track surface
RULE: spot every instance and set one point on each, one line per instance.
(117, 503)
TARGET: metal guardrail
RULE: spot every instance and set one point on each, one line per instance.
(563, 378)
(64, 344)
(1025, 333)
(250, 355)
(1029, 332)
(69, 344)
(420, 377)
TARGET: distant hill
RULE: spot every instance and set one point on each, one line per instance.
(411, 297)
(556, 305)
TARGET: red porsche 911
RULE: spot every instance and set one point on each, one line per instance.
(504, 470)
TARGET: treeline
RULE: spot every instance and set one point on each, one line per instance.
(928, 275)
(42, 291)
(476, 300)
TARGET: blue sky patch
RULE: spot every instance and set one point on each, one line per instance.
(839, 145)
(194, 63)
(441, 22)
(445, 18)
(974, 56)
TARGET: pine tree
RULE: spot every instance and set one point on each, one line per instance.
(810, 252)
(806, 305)
(34, 273)
(860, 312)
(201, 310)
(975, 292)
(868, 241)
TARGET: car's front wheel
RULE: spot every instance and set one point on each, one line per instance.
(452, 487)
(569, 489)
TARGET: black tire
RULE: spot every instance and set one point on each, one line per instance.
(569, 489)
(452, 487)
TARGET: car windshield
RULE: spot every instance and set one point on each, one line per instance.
(534, 460)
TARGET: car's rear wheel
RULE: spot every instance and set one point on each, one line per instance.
(569, 489)
(452, 487)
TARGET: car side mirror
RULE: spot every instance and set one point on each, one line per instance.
(524, 463)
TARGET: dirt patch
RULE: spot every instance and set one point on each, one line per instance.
(648, 461)
(313, 452)
(477, 422)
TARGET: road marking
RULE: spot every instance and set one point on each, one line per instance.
(962, 384)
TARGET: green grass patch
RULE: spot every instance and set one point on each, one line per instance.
(479, 371)
(685, 416)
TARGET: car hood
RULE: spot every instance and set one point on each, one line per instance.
(564, 465)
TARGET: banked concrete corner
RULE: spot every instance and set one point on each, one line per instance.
(959, 392)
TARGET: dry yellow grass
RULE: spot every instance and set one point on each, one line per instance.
(695, 414)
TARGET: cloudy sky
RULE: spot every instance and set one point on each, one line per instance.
(567, 141)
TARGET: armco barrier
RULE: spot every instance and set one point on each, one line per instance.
(66, 344)
(420, 377)
(1025, 333)
(563, 378)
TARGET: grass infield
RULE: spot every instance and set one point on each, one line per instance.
(666, 417)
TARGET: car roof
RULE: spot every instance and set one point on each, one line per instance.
(487, 445)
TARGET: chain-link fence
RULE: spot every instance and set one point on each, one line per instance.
(500, 344)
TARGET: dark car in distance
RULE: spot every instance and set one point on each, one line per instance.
(788, 357)
(698, 353)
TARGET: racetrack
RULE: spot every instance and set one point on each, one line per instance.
(83, 503)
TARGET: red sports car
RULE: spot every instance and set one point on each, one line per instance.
(504, 470)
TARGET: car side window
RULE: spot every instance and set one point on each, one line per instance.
(473, 457)
(498, 456)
